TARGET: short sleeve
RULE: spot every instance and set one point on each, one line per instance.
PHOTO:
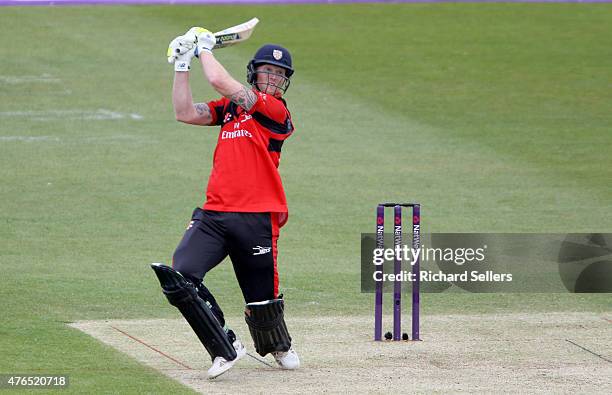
(217, 108)
(272, 113)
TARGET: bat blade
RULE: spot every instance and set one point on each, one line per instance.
(235, 34)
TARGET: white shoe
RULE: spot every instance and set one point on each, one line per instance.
(221, 365)
(287, 359)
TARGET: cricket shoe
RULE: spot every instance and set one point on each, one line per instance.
(221, 365)
(287, 359)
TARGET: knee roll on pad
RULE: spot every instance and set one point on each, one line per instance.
(183, 295)
(266, 323)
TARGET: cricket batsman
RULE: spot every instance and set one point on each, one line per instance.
(245, 201)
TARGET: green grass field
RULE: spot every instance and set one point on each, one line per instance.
(496, 117)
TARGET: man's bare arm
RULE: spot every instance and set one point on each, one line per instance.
(225, 84)
(184, 109)
(244, 97)
(204, 116)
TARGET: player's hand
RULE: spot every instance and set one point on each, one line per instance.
(193, 33)
(181, 51)
(206, 41)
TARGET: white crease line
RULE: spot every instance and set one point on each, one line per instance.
(80, 139)
(98, 115)
(29, 138)
(28, 79)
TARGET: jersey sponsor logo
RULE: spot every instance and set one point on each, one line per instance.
(235, 134)
(259, 250)
(243, 117)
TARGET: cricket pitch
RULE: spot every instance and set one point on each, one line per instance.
(547, 353)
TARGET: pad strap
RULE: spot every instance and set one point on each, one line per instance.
(266, 323)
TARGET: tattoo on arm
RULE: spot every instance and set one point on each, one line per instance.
(203, 112)
(245, 98)
(202, 109)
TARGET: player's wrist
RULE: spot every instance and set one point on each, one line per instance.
(200, 51)
(181, 66)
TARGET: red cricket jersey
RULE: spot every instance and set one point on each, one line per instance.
(245, 175)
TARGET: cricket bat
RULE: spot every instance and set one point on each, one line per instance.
(235, 34)
(225, 38)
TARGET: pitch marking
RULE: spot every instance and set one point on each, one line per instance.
(87, 115)
(587, 350)
(152, 348)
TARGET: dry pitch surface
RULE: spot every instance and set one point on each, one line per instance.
(551, 353)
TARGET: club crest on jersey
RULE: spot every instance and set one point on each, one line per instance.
(278, 54)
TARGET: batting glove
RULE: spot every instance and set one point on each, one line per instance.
(182, 49)
(206, 41)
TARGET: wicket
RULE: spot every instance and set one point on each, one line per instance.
(397, 268)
